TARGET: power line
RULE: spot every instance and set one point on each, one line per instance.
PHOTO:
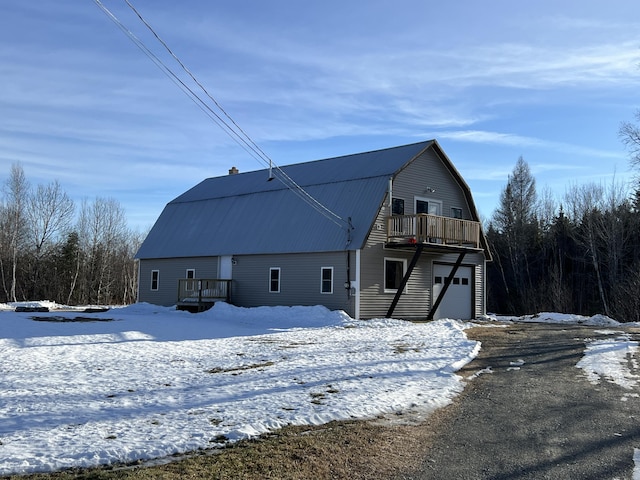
(232, 129)
(242, 135)
(173, 77)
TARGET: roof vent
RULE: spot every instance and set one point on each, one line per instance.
(233, 171)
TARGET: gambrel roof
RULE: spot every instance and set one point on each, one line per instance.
(247, 214)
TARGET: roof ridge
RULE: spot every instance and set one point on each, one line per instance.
(276, 189)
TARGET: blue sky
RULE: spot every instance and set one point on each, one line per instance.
(491, 81)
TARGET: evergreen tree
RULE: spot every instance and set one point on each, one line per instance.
(515, 220)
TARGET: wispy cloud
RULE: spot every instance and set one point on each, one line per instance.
(80, 102)
(513, 140)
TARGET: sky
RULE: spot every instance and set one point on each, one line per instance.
(231, 373)
(491, 81)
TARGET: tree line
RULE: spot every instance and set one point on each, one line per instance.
(53, 249)
(577, 255)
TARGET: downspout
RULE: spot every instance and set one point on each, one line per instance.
(353, 286)
(347, 283)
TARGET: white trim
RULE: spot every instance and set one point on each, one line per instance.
(138, 289)
(278, 269)
(157, 281)
(356, 285)
(322, 269)
(384, 279)
(225, 267)
(428, 200)
(190, 286)
(484, 288)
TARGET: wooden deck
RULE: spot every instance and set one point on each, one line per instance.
(433, 230)
(199, 294)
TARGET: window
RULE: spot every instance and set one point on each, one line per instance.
(456, 212)
(465, 281)
(191, 274)
(428, 205)
(274, 280)
(155, 279)
(422, 206)
(326, 280)
(397, 206)
(393, 273)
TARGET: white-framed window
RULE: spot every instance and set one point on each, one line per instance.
(155, 279)
(427, 205)
(326, 280)
(274, 280)
(394, 269)
(456, 212)
(190, 275)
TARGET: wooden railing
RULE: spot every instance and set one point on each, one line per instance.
(201, 290)
(432, 229)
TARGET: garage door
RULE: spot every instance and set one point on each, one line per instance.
(458, 300)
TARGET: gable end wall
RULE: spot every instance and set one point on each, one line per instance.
(424, 172)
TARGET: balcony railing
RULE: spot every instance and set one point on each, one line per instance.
(432, 229)
(197, 292)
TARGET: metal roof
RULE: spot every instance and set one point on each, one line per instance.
(247, 214)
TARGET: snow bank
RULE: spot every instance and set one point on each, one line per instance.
(557, 318)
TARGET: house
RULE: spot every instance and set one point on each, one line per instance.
(391, 232)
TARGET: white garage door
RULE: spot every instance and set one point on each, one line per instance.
(458, 300)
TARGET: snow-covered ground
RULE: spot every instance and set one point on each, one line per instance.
(143, 381)
(140, 382)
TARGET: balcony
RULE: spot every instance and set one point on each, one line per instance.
(434, 230)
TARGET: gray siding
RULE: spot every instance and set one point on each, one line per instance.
(299, 277)
(352, 186)
(427, 171)
(171, 270)
(374, 301)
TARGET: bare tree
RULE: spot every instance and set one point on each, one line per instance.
(16, 190)
(103, 230)
(50, 214)
(630, 135)
(5, 237)
(600, 211)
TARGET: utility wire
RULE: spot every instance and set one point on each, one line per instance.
(292, 185)
(234, 130)
(176, 80)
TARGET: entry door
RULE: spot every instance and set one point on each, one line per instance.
(432, 207)
(458, 300)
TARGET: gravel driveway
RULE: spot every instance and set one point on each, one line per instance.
(536, 416)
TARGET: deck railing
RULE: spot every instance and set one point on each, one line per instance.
(432, 229)
(202, 290)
